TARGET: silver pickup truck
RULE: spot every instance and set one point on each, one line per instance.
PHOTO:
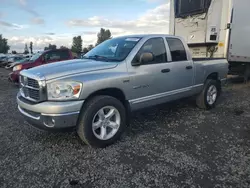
(96, 94)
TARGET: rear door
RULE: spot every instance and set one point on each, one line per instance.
(57, 55)
(182, 69)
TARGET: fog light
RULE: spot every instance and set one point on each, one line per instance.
(49, 122)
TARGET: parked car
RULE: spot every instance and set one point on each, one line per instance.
(10, 59)
(11, 65)
(46, 57)
(14, 58)
(96, 94)
(2, 58)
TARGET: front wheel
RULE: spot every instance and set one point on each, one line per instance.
(209, 95)
(102, 121)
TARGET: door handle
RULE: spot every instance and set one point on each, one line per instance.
(189, 67)
(165, 70)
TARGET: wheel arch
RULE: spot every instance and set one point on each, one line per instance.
(113, 92)
(213, 76)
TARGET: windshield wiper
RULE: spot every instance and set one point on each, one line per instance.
(98, 57)
(93, 57)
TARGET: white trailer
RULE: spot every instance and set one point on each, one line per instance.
(215, 29)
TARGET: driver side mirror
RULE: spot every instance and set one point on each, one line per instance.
(144, 58)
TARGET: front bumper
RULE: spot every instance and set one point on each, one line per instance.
(50, 115)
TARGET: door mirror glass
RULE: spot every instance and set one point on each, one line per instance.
(146, 57)
(143, 58)
(153, 51)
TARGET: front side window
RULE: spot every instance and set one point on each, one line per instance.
(35, 57)
(177, 49)
(156, 46)
(116, 49)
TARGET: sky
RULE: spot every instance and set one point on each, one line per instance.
(58, 21)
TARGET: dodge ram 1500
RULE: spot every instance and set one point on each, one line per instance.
(96, 94)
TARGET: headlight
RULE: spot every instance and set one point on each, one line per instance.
(18, 67)
(64, 90)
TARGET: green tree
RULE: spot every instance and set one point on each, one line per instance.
(31, 47)
(103, 35)
(90, 47)
(85, 50)
(63, 47)
(26, 50)
(50, 47)
(4, 47)
(77, 44)
(14, 52)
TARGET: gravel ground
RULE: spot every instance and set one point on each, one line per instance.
(173, 145)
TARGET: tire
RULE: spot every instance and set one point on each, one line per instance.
(89, 114)
(202, 99)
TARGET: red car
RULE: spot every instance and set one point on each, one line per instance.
(49, 56)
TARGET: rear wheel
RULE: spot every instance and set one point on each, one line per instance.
(209, 95)
(102, 121)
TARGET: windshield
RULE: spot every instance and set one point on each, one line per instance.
(116, 49)
(23, 60)
(35, 57)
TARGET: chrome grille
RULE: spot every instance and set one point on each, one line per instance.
(32, 83)
(30, 89)
(31, 93)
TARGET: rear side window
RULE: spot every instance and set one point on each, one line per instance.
(64, 54)
(177, 49)
(157, 47)
(54, 56)
(58, 55)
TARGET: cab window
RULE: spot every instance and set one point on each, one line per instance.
(177, 49)
(156, 46)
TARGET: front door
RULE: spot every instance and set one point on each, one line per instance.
(151, 81)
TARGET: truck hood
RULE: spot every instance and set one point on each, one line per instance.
(70, 67)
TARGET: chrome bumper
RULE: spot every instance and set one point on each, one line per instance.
(50, 115)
